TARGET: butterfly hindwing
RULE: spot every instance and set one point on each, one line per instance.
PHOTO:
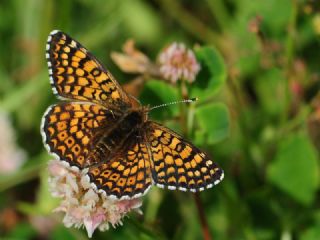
(177, 164)
(76, 74)
(127, 174)
(71, 130)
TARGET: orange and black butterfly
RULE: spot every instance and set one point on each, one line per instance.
(98, 126)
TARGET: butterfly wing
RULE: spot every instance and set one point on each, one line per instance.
(127, 175)
(76, 74)
(177, 164)
(71, 130)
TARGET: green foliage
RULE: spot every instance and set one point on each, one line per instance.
(158, 92)
(212, 74)
(144, 16)
(295, 169)
(213, 120)
(273, 81)
(22, 231)
(312, 233)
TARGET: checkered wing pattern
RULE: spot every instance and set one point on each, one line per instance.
(71, 130)
(76, 74)
(177, 164)
(127, 175)
(103, 131)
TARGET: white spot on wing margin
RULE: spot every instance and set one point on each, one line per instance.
(114, 197)
(53, 32)
(210, 185)
(44, 140)
(43, 134)
(49, 39)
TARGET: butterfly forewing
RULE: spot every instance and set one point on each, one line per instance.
(77, 74)
(178, 164)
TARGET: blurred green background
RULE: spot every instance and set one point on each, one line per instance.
(258, 115)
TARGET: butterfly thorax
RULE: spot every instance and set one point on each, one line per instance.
(112, 142)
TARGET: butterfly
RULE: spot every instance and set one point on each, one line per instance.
(99, 127)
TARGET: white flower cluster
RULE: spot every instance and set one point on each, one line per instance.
(178, 62)
(11, 157)
(81, 204)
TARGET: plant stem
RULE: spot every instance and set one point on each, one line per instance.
(147, 230)
(239, 102)
(17, 98)
(289, 59)
(21, 176)
(219, 12)
(186, 128)
(202, 217)
(189, 22)
(296, 122)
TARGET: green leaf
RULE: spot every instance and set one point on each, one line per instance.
(213, 120)
(311, 233)
(22, 230)
(212, 74)
(271, 82)
(158, 92)
(276, 21)
(45, 201)
(61, 232)
(295, 169)
(138, 13)
(247, 47)
(30, 171)
(20, 95)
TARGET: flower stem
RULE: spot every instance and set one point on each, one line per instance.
(189, 22)
(220, 13)
(204, 224)
(289, 53)
(186, 128)
(21, 176)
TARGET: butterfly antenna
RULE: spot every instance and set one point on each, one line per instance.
(175, 102)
